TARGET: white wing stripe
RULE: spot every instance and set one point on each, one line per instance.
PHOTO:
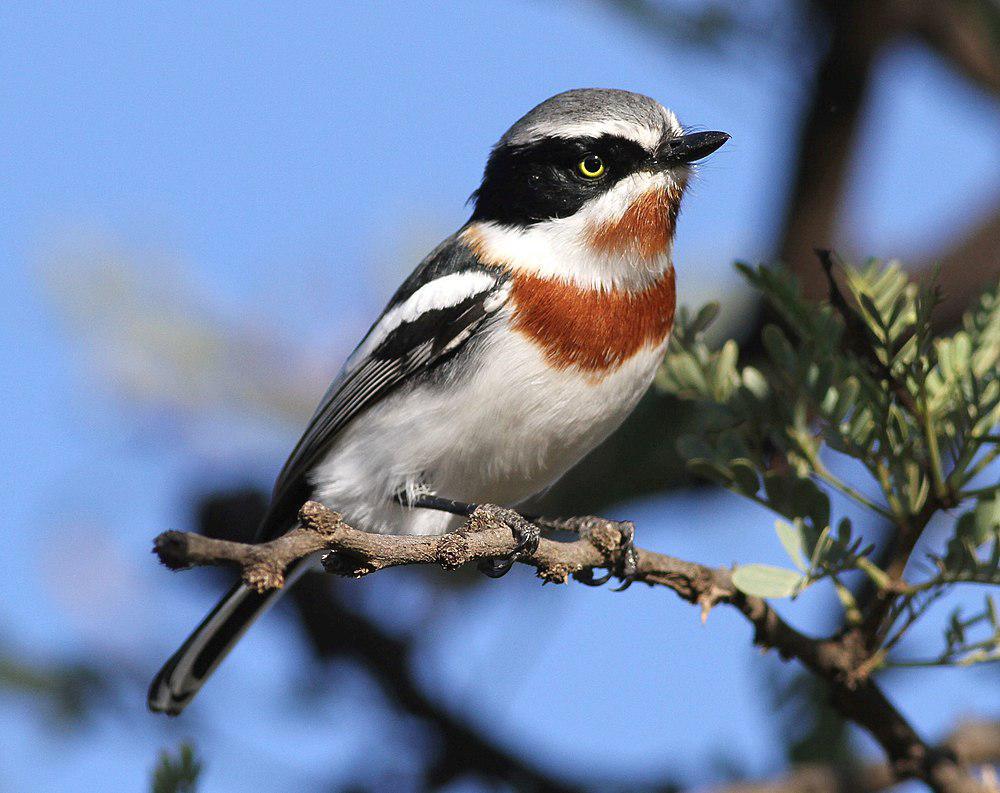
(449, 290)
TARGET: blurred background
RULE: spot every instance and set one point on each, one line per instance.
(203, 209)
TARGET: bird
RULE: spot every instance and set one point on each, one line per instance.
(513, 349)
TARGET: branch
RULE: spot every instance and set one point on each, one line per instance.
(976, 743)
(262, 565)
(854, 32)
(486, 535)
(602, 544)
(857, 32)
(961, 34)
(336, 631)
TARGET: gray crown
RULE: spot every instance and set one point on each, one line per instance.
(588, 105)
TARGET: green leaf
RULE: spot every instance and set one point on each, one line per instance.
(980, 523)
(796, 497)
(755, 382)
(710, 471)
(706, 316)
(745, 476)
(767, 581)
(869, 305)
(778, 347)
(791, 538)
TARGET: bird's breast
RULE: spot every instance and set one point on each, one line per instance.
(591, 330)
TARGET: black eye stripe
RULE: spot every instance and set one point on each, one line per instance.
(610, 147)
(541, 180)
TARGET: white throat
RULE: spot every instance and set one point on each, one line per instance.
(562, 248)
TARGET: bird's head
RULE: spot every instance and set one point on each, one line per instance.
(587, 187)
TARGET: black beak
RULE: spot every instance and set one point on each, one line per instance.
(688, 148)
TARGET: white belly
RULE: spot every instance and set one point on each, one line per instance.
(509, 429)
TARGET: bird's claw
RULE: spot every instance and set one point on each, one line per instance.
(627, 567)
(628, 559)
(526, 536)
(495, 568)
(587, 577)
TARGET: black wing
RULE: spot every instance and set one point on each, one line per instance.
(413, 346)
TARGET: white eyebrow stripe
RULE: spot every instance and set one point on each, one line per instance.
(444, 292)
(647, 136)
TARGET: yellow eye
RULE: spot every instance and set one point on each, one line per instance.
(591, 166)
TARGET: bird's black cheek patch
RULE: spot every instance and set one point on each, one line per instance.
(530, 184)
(534, 194)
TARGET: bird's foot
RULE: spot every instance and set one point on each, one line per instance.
(623, 559)
(526, 536)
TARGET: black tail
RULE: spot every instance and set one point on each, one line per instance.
(187, 670)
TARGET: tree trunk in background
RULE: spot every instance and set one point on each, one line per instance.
(856, 31)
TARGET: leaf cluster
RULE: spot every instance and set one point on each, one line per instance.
(862, 377)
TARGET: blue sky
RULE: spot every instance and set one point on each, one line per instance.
(274, 170)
